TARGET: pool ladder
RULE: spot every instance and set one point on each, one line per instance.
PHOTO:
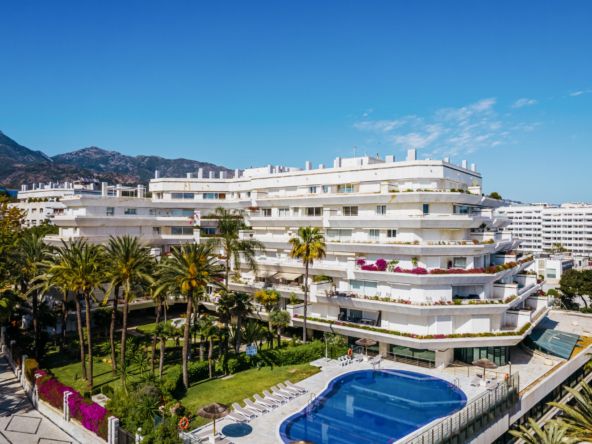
(456, 382)
(308, 408)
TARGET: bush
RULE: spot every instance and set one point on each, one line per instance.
(238, 364)
(300, 354)
(198, 371)
(172, 381)
(31, 365)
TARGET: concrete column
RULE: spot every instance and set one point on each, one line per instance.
(444, 357)
(200, 173)
(118, 190)
(383, 349)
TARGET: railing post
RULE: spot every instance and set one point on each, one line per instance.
(66, 406)
(23, 376)
(113, 430)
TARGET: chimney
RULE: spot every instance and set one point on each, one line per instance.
(200, 173)
(189, 176)
(212, 175)
(337, 162)
(104, 189)
(236, 173)
(321, 166)
(308, 165)
(389, 158)
(156, 174)
(141, 191)
(222, 174)
(269, 169)
(463, 164)
(473, 167)
(412, 154)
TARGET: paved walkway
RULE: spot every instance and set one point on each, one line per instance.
(20, 423)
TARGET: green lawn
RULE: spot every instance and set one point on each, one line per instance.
(241, 385)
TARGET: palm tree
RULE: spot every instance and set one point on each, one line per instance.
(130, 267)
(161, 305)
(253, 331)
(189, 269)
(32, 252)
(279, 319)
(578, 417)
(230, 223)
(308, 246)
(269, 299)
(554, 433)
(210, 331)
(243, 307)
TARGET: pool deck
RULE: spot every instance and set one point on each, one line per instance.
(266, 427)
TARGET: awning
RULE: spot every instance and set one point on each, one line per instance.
(553, 342)
(288, 276)
(265, 273)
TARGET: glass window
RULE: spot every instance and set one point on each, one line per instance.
(208, 231)
(391, 233)
(461, 209)
(110, 211)
(325, 188)
(350, 211)
(182, 230)
(459, 262)
(381, 210)
(336, 234)
(374, 234)
(284, 212)
(156, 231)
(266, 212)
(209, 196)
(345, 188)
(313, 211)
(312, 190)
(130, 211)
(182, 196)
(426, 208)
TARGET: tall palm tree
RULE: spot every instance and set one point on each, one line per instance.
(230, 223)
(189, 269)
(210, 331)
(554, 433)
(308, 245)
(269, 299)
(578, 417)
(130, 268)
(31, 253)
(279, 320)
(160, 303)
(243, 307)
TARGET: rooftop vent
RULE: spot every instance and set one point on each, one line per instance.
(412, 154)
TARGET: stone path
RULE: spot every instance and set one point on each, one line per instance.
(20, 423)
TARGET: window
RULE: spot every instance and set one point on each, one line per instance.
(110, 211)
(325, 188)
(350, 211)
(363, 287)
(182, 231)
(345, 188)
(209, 196)
(266, 212)
(374, 234)
(461, 209)
(313, 211)
(284, 212)
(426, 208)
(182, 196)
(208, 231)
(340, 235)
(459, 262)
(181, 212)
(130, 211)
(156, 231)
(381, 210)
(312, 190)
(391, 233)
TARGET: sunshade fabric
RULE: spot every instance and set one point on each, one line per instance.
(554, 342)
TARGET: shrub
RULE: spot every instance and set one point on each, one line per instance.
(31, 365)
(238, 364)
(172, 381)
(300, 354)
(198, 371)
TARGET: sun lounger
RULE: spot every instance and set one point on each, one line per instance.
(257, 408)
(236, 417)
(284, 387)
(243, 411)
(278, 392)
(294, 386)
(266, 401)
(275, 398)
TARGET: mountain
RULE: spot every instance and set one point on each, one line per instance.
(19, 164)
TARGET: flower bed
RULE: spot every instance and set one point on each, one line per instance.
(520, 332)
(91, 415)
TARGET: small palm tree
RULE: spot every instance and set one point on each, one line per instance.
(243, 307)
(230, 223)
(270, 300)
(130, 268)
(31, 253)
(210, 331)
(554, 433)
(279, 319)
(160, 302)
(253, 331)
(578, 417)
(308, 246)
(189, 270)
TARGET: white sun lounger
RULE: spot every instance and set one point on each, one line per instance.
(259, 408)
(237, 417)
(274, 397)
(266, 401)
(296, 387)
(277, 391)
(285, 388)
(243, 411)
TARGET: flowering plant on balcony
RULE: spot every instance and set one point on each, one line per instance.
(416, 270)
(360, 262)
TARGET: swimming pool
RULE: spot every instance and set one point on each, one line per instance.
(373, 407)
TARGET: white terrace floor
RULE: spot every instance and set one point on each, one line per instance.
(266, 427)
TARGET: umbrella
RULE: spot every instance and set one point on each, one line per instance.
(484, 364)
(213, 411)
(366, 342)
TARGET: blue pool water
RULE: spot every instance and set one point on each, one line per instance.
(373, 407)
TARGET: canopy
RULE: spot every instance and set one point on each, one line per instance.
(366, 342)
(287, 276)
(553, 342)
(484, 363)
(265, 273)
(213, 411)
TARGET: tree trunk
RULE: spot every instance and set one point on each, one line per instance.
(210, 354)
(80, 336)
(122, 365)
(112, 328)
(186, 337)
(36, 333)
(279, 334)
(64, 320)
(305, 301)
(239, 320)
(161, 360)
(583, 298)
(89, 340)
(154, 338)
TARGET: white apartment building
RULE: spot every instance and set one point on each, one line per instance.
(42, 202)
(542, 227)
(416, 257)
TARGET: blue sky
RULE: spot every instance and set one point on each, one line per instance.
(505, 84)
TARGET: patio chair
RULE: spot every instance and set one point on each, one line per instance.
(278, 391)
(274, 397)
(245, 412)
(237, 417)
(266, 401)
(257, 408)
(284, 387)
(297, 387)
